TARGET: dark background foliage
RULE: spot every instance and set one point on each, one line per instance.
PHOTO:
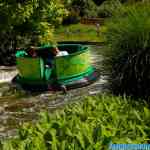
(128, 41)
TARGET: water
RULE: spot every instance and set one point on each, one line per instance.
(17, 107)
(7, 73)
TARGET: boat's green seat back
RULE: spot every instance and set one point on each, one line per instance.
(30, 68)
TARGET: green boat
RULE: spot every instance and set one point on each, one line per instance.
(72, 71)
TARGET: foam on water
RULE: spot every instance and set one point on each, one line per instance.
(7, 73)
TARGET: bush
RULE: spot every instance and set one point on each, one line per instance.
(107, 8)
(26, 23)
(128, 41)
(86, 125)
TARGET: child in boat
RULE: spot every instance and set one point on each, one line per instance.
(57, 52)
(32, 52)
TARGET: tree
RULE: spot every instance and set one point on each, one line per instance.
(108, 7)
(82, 7)
(29, 21)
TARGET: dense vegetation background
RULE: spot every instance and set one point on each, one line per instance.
(27, 22)
(32, 22)
(128, 41)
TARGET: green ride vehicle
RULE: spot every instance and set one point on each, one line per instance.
(70, 71)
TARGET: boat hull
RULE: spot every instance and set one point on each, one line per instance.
(55, 85)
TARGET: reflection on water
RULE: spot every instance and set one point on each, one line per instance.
(17, 107)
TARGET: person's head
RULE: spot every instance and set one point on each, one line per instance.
(55, 50)
(32, 51)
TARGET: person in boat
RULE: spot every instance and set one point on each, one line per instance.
(55, 52)
(32, 52)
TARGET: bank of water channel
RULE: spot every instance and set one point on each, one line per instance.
(17, 106)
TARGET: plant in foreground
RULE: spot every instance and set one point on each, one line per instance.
(91, 125)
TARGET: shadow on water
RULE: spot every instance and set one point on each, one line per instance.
(18, 106)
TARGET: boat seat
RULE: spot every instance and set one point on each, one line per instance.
(31, 68)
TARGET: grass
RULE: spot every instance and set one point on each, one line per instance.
(86, 125)
(79, 32)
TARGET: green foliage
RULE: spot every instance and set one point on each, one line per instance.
(88, 125)
(78, 9)
(128, 41)
(107, 8)
(45, 16)
(29, 22)
(90, 9)
(13, 13)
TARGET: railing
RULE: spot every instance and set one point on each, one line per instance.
(92, 21)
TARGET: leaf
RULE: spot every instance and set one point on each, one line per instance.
(146, 113)
(68, 132)
(97, 133)
(63, 145)
(137, 114)
(141, 130)
(80, 139)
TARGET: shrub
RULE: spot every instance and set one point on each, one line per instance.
(107, 8)
(24, 23)
(87, 125)
(128, 41)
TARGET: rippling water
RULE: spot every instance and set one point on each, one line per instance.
(17, 107)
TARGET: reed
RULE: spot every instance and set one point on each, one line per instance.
(128, 42)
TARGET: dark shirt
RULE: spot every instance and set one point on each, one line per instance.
(47, 56)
